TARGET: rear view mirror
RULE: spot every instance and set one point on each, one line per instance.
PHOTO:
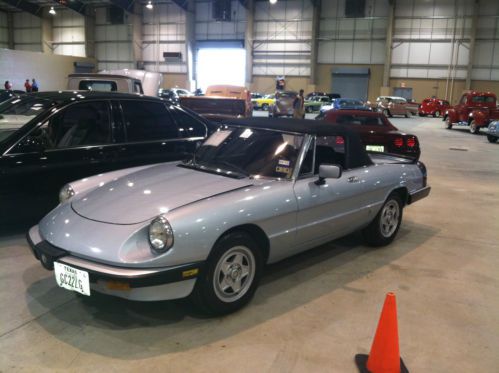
(328, 171)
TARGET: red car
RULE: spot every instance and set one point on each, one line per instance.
(433, 106)
(376, 132)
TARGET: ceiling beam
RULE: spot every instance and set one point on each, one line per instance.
(76, 5)
(124, 4)
(26, 6)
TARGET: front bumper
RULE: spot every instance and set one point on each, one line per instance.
(144, 284)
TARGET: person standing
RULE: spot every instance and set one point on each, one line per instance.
(27, 86)
(7, 85)
(34, 85)
(298, 106)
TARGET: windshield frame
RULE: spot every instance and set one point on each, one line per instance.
(294, 175)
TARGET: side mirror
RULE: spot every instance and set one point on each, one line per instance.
(328, 171)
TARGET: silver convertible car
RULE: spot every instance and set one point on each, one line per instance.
(257, 191)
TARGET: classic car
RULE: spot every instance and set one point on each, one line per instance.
(493, 131)
(50, 138)
(392, 105)
(220, 102)
(433, 106)
(257, 191)
(343, 104)
(263, 102)
(412, 106)
(315, 103)
(283, 106)
(377, 133)
(475, 109)
(173, 94)
(332, 96)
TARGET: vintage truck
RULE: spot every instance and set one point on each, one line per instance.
(475, 109)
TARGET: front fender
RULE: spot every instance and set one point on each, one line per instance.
(480, 118)
(452, 115)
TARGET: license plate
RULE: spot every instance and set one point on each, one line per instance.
(71, 278)
(375, 148)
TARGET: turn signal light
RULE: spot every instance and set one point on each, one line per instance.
(398, 142)
(340, 140)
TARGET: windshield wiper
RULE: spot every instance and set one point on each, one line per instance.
(233, 167)
(198, 167)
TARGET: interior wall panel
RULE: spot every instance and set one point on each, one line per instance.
(68, 29)
(27, 32)
(4, 38)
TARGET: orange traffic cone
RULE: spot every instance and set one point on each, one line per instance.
(384, 356)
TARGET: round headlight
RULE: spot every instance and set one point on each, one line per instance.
(66, 193)
(160, 234)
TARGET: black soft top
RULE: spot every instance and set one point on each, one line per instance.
(355, 153)
(63, 96)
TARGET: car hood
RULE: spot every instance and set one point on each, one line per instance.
(144, 194)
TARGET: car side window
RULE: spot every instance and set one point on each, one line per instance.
(148, 121)
(329, 150)
(188, 126)
(80, 124)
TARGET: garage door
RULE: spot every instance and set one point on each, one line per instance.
(351, 82)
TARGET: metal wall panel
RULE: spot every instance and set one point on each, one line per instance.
(4, 38)
(27, 32)
(486, 56)
(209, 29)
(164, 30)
(68, 29)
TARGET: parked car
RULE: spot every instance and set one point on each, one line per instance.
(475, 109)
(377, 133)
(50, 138)
(220, 102)
(283, 106)
(433, 106)
(343, 104)
(493, 131)
(173, 94)
(257, 191)
(8, 94)
(332, 96)
(315, 103)
(392, 105)
(263, 102)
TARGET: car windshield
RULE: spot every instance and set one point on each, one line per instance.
(16, 112)
(244, 152)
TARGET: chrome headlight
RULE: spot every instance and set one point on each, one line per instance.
(160, 234)
(66, 193)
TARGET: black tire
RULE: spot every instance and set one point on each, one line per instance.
(474, 129)
(208, 294)
(406, 115)
(436, 114)
(384, 227)
(421, 114)
(386, 112)
(492, 139)
(265, 107)
(308, 109)
(448, 123)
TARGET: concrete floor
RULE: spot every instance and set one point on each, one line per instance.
(312, 313)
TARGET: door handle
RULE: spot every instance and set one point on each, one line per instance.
(353, 179)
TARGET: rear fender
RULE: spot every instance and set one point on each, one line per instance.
(480, 118)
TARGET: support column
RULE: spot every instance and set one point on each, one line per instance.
(137, 35)
(248, 42)
(47, 33)
(10, 30)
(474, 22)
(190, 44)
(90, 32)
(316, 19)
(385, 89)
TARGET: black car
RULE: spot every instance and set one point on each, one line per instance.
(50, 138)
(8, 94)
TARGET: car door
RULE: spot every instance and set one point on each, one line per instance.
(150, 134)
(461, 109)
(335, 208)
(71, 144)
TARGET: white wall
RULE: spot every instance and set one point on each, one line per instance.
(68, 33)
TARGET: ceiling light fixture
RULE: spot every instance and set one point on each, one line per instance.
(272, 1)
(52, 11)
(149, 5)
